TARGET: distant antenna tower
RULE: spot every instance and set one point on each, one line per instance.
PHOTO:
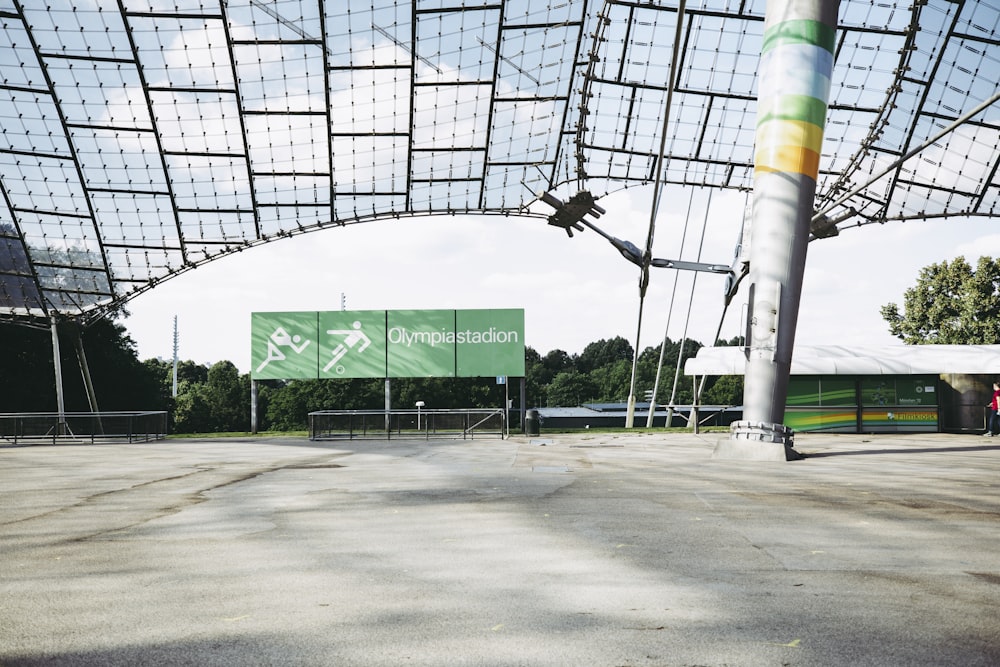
(174, 390)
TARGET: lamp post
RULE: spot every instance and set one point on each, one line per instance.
(419, 405)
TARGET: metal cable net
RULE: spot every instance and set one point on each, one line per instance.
(141, 139)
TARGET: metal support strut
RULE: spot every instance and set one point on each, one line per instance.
(61, 427)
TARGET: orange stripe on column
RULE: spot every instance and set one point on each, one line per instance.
(795, 159)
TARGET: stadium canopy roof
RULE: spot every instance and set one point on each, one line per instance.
(142, 138)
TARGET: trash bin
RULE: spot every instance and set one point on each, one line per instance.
(531, 422)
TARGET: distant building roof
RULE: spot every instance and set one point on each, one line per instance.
(596, 410)
(866, 360)
(615, 407)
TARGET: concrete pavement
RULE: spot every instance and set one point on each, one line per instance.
(586, 549)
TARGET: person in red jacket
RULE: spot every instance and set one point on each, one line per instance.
(993, 421)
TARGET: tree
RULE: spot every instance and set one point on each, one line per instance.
(441, 393)
(228, 397)
(288, 406)
(539, 372)
(221, 403)
(192, 413)
(555, 362)
(570, 388)
(604, 353)
(645, 375)
(191, 371)
(120, 381)
(533, 372)
(735, 341)
(726, 390)
(27, 357)
(952, 303)
(612, 381)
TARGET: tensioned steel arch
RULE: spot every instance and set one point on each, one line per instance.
(142, 138)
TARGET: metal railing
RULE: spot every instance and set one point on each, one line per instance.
(22, 428)
(464, 423)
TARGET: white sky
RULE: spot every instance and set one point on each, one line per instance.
(574, 291)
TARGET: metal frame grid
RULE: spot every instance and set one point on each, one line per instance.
(143, 138)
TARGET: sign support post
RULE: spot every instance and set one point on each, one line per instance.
(388, 403)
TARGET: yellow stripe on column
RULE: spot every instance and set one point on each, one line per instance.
(788, 159)
(790, 133)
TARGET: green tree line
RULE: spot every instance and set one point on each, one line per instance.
(216, 398)
(951, 303)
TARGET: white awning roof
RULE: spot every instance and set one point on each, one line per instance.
(875, 360)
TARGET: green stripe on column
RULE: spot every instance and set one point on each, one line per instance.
(792, 107)
(799, 32)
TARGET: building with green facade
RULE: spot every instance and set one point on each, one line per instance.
(884, 389)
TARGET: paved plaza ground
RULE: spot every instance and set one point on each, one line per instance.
(584, 549)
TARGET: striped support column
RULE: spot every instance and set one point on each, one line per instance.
(796, 64)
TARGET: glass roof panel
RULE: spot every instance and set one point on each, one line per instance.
(142, 139)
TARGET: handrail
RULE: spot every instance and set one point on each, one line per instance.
(485, 419)
(83, 427)
(388, 424)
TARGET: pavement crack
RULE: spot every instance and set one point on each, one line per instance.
(121, 510)
(988, 577)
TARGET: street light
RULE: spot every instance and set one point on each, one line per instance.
(419, 405)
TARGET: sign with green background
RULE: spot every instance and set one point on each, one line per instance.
(488, 340)
(899, 390)
(283, 345)
(352, 344)
(395, 343)
(916, 390)
(820, 390)
(421, 343)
